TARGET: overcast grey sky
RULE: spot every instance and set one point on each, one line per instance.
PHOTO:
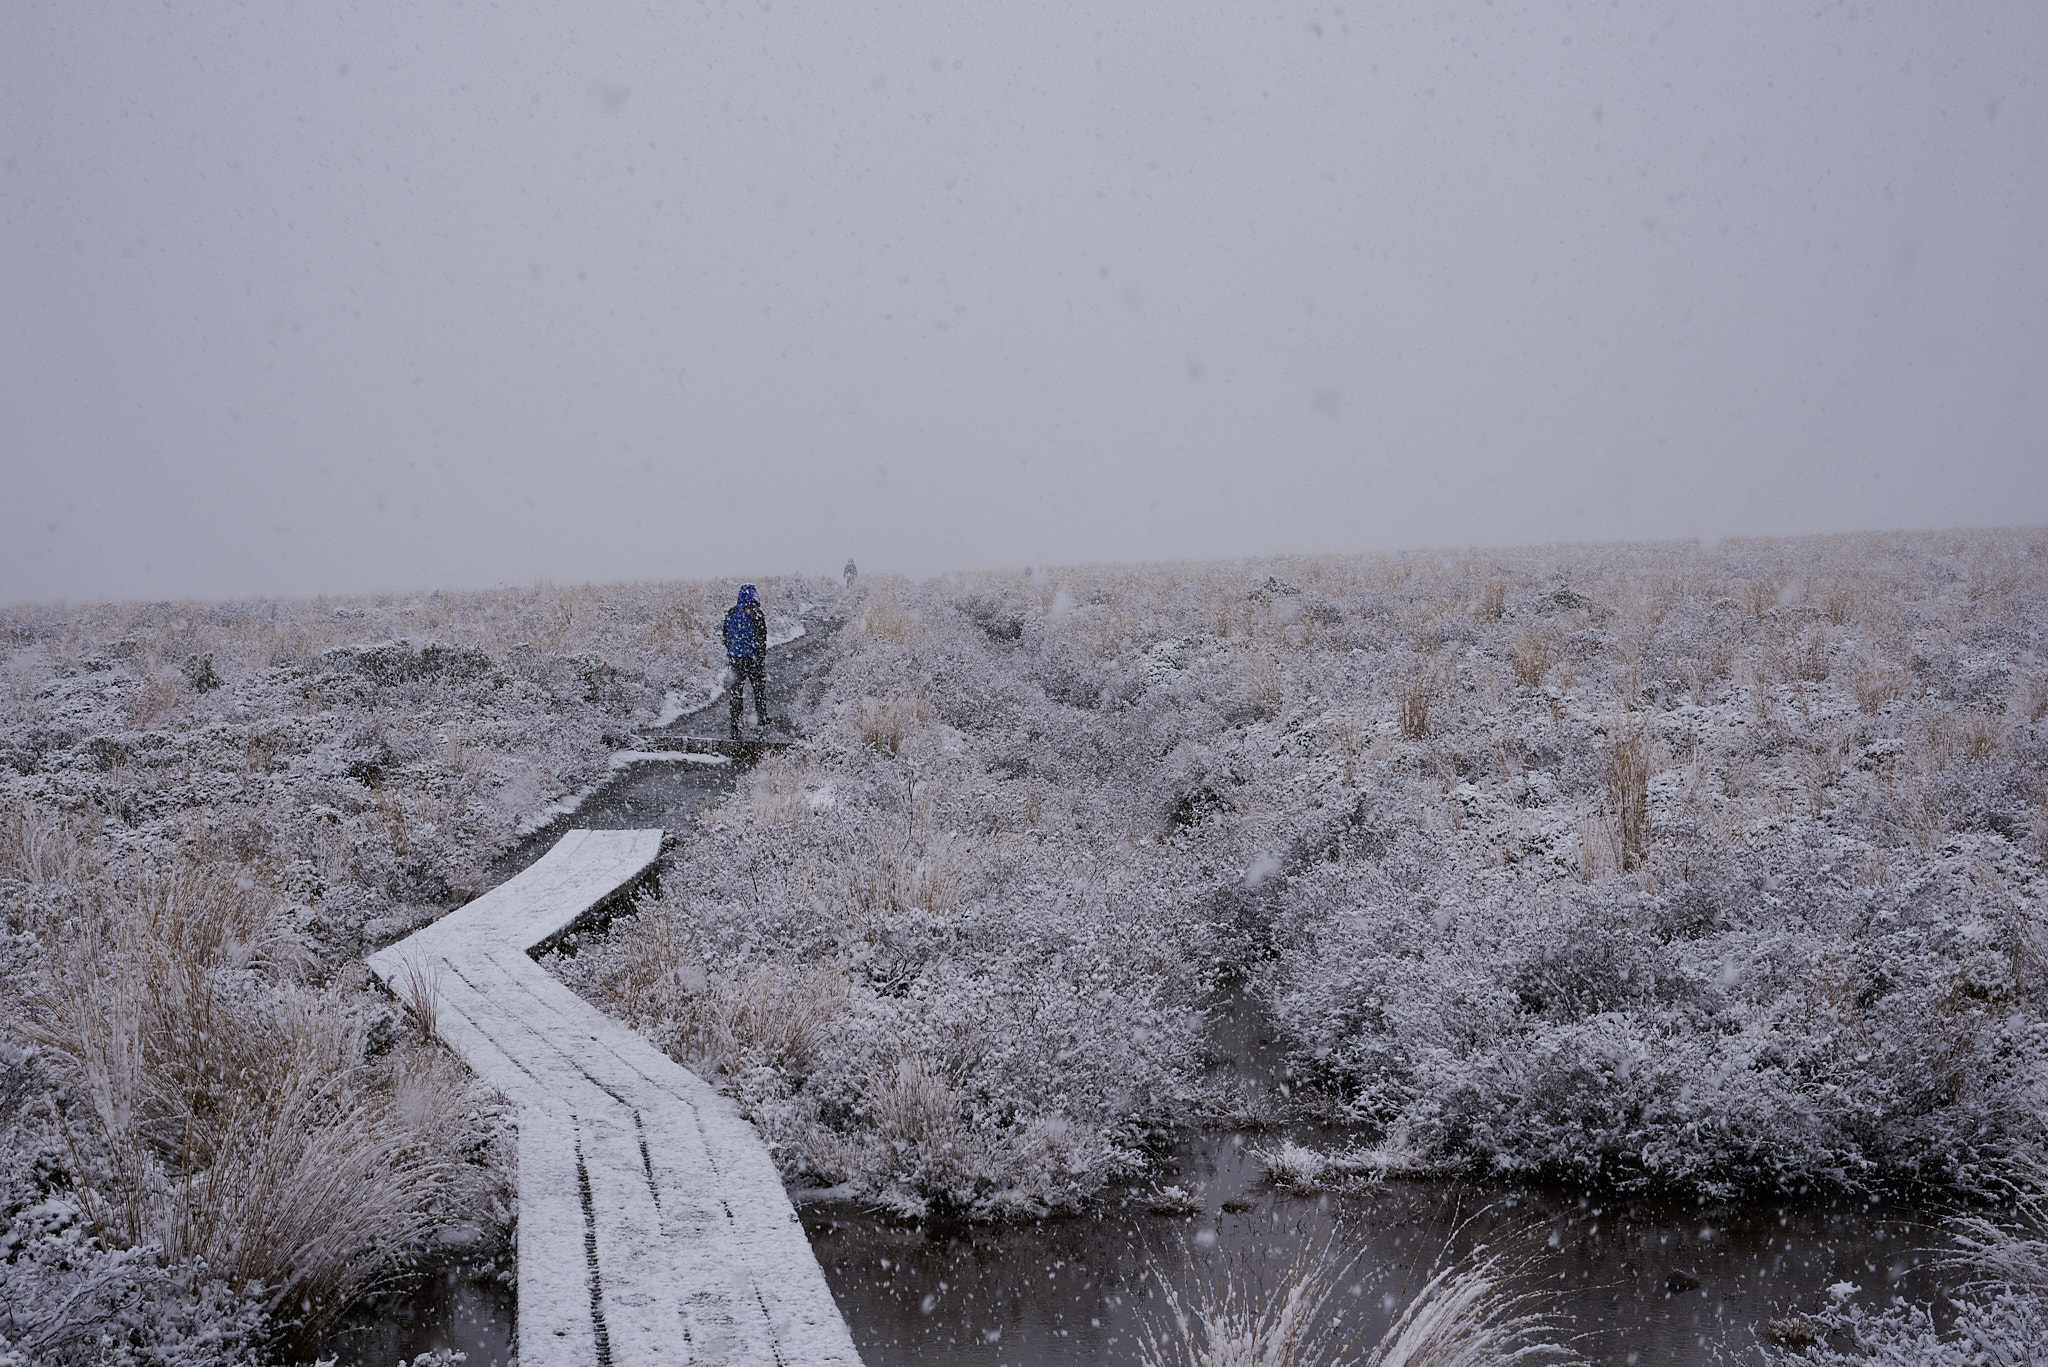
(307, 298)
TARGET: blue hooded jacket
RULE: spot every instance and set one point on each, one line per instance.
(746, 627)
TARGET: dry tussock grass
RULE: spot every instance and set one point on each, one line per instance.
(1982, 735)
(157, 699)
(1418, 696)
(775, 1014)
(1534, 653)
(2031, 699)
(1625, 773)
(419, 991)
(1265, 685)
(1877, 684)
(885, 619)
(898, 879)
(780, 790)
(223, 1113)
(1809, 661)
(912, 1104)
(1599, 847)
(884, 724)
(1355, 740)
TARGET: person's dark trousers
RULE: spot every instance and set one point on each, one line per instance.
(745, 669)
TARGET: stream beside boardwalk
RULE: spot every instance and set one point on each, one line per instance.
(1638, 1281)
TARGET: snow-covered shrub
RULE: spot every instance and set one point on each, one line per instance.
(1660, 890)
(904, 1009)
(954, 983)
(1790, 942)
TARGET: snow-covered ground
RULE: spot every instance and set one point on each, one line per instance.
(1709, 870)
(1712, 871)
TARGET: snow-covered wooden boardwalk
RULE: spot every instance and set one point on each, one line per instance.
(652, 1225)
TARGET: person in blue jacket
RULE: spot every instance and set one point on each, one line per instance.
(746, 650)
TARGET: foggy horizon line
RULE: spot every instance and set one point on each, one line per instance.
(1706, 542)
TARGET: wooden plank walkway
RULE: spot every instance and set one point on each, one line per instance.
(749, 749)
(653, 1227)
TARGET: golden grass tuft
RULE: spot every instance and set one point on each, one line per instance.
(1877, 684)
(1265, 686)
(1625, 773)
(885, 619)
(1418, 695)
(884, 724)
(1533, 655)
(419, 991)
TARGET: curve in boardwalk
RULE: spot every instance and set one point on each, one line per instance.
(653, 1227)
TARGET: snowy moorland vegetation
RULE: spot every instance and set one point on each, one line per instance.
(1705, 871)
(1714, 871)
(212, 1130)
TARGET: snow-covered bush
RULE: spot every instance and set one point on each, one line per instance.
(905, 995)
(1792, 942)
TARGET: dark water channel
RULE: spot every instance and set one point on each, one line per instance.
(1639, 1281)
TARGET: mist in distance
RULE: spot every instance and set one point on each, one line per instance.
(307, 300)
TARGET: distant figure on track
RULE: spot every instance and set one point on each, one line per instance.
(851, 572)
(746, 650)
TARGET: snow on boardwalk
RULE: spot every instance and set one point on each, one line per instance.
(652, 1225)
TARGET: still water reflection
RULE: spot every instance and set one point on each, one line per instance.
(466, 1309)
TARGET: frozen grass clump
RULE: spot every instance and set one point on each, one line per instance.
(1311, 1310)
(69, 1296)
(210, 1125)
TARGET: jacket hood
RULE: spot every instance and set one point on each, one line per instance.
(747, 595)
